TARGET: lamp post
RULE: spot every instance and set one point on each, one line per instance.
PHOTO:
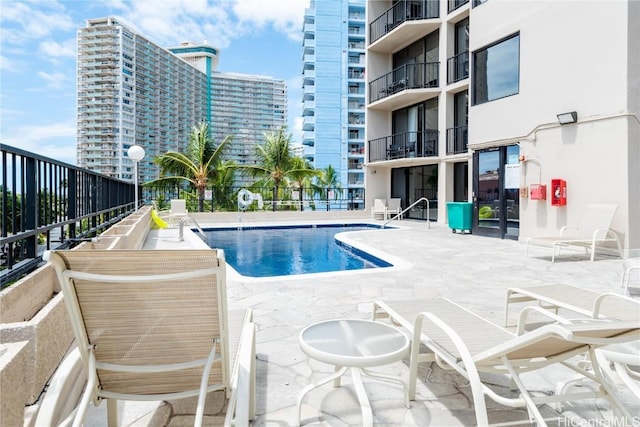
(136, 153)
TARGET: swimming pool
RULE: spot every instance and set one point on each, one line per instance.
(291, 250)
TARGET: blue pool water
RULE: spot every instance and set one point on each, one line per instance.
(282, 251)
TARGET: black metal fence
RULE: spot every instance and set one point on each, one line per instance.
(49, 204)
(288, 198)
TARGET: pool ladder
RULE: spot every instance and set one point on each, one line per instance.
(421, 199)
(186, 219)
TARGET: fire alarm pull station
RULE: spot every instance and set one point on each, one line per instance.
(538, 192)
(558, 192)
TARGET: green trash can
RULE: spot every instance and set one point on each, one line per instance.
(460, 216)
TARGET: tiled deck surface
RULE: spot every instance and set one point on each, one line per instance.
(471, 270)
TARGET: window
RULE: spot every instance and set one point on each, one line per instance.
(496, 70)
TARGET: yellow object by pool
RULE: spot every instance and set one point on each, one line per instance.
(158, 222)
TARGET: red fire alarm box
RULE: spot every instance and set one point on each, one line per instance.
(538, 192)
(558, 192)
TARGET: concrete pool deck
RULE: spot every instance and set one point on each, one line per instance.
(430, 261)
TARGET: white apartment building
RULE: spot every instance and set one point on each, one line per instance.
(501, 103)
(247, 107)
(132, 92)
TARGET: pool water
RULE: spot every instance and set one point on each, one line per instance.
(283, 251)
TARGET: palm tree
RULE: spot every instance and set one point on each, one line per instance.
(200, 162)
(275, 162)
(301, 175)
(329, 179)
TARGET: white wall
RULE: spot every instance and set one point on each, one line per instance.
(574, 56)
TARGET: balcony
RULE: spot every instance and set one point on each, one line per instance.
(457, 139)
(407, 11)
(409, 76)
(458, 67)
(404, 145)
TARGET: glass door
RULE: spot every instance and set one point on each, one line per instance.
(496, 200)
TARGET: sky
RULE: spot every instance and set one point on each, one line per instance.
(38, 52)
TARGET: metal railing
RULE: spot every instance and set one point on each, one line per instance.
(457, 139)
(404, 145)
(421, 75)
(458, 67)
(399, 215)
(400, 12)
(47, 204)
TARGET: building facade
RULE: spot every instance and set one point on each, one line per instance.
(132, 92)
(247, 107)
(501, 104)
(334, 91)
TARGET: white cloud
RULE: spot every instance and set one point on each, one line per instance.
(54, 80)
(22, 22)
(286, 16)
(54, 49)
(54, 140)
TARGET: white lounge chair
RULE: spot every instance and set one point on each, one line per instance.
(631, 267)
(620, 360)
(177, 211)
(394, 208)
(154, 325)
(379, 209)
(593, 230)
(469, 344)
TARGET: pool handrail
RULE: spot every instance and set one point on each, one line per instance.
(200, 231)
(399, 215)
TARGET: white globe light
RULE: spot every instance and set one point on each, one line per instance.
(135, 152)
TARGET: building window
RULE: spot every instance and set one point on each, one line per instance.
(496, 70)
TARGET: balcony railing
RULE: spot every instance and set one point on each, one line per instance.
(47, 204)
(457, 139)
(402, 11)
(410, 76)
(458, 67)
(404, 145)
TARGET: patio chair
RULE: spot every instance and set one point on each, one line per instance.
(394, 208)
(631, 266)
(469, 344)
(594, 229)
(177, 211)
(154, 325)
(620, 360)
(379, 209)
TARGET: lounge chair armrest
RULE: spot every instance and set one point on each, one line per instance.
(566, 229)
(522, 317)
(597, 304)
(241, 406)
(470, 369)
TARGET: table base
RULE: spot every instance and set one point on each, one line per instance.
(356, 374)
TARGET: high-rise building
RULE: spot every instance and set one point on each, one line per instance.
(132, 92)
(247, 107)
(241, 105)
(500, 104)
(334, 91)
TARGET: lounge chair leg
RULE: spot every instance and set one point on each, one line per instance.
(112, 412)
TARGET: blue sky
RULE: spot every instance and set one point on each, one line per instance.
(38, 55)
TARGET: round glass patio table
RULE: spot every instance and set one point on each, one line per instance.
(353, 344)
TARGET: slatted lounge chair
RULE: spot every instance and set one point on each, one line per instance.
(623, 357)
(593, 230)
(580, 301)
(469, 344)
(154, 325)
(379, 209)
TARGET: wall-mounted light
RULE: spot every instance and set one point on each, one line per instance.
(566, 118)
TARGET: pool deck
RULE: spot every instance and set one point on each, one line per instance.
(428, 261)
